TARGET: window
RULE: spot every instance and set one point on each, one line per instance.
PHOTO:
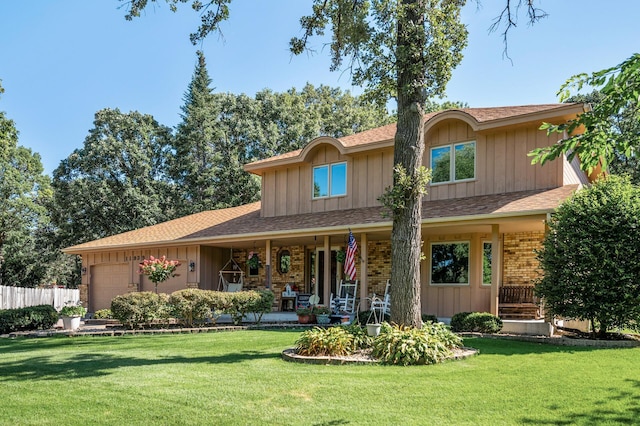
(450, 263)
(486, 263)
(453, 163)
(330, 180)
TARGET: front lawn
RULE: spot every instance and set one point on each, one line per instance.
(238, 378)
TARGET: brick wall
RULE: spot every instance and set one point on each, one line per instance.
(520, 264)
(379, 266)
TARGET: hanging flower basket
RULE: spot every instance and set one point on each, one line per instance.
(253, 260)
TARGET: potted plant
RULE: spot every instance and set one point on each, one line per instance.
(71, 315)
(304, 315)
(322, 314)
(373, 329)
(253, 260)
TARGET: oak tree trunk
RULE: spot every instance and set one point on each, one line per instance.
(406, 238)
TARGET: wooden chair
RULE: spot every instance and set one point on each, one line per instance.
(346, 298)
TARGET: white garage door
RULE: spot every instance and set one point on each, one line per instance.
(107, 282)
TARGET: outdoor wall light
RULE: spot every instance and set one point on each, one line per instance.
(192, 266)
(84, 270)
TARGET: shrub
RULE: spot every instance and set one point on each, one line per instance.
(330, 341)
(429, 318)
(31, 318)
(401, 345)
(361, 340)
(457, 321)
(190, 305)
(241, 303)
(73, 310)
(134, 309)
(103, 314)
(590, 256)
(263, 305)
(483, 322)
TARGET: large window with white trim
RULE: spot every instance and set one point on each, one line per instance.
(330, 180)
(450, 263)
(453, 163)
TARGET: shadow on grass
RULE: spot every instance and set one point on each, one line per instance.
(94, 365)
(515, 347)
(601, 412)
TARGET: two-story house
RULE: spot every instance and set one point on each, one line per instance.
(483, 217)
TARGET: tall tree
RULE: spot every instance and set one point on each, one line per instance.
(221, 132)
(117, 182)
(197, 159)
(401, 48)
(23, 191)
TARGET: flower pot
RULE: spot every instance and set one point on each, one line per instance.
(373, 330)
(323, 318)
(305, 319)
(71, 323)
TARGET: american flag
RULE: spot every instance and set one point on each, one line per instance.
(350, 259)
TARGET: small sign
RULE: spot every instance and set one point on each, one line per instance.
(303, 300)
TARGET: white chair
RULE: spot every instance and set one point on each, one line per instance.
(382, 305)
(346, 299)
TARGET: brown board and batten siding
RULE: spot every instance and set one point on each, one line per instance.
(502, 163)
(290, 188)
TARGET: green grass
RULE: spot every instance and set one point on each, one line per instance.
(239, 378)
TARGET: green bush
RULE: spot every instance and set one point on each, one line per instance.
(241, 303)
(457, 321)
(590, 256)
(361, 340)
(135, 309)
(263, 305)
(191, 305)
(401, 345)
(102, 314)
(483, 322)
(429, 318)
(31, 318)
(330, 341)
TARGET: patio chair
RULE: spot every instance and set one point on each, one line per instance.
(346, 298)
(382, 305)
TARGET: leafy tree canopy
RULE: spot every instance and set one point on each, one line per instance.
(24, 190)
(602, 142)
(117, 182)
(590, 256)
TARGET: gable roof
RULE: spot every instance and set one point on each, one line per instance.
(477, 118)
(245, 223)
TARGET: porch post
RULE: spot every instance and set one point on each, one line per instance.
(364, 285)
(496, 267)
(327, 271)
(267, 264)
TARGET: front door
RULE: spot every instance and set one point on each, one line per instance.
(320, 259)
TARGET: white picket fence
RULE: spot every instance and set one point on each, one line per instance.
(21, 297)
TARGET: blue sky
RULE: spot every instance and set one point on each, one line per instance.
(60, 62)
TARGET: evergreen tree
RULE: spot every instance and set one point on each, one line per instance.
(196, 158)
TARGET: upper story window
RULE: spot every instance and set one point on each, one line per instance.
(330, 180)
(452, 163)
